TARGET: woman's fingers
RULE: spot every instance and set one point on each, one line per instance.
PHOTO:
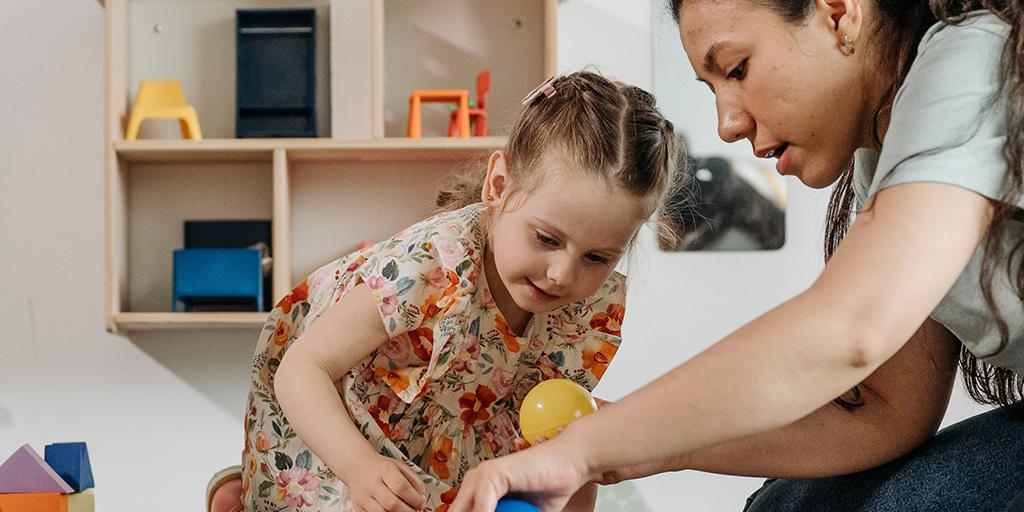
(476, 494)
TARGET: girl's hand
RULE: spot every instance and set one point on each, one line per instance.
(546, 475)
(384, 484)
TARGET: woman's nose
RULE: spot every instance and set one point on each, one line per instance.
(733, 123)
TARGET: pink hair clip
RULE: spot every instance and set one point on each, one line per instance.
(547, 89)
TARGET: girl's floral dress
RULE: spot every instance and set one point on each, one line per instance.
(443, 393)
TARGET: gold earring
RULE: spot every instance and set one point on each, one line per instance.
(848, 44)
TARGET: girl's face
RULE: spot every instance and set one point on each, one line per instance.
(790, 89)
(557, 243)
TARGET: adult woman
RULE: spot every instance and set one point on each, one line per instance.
(926, 101)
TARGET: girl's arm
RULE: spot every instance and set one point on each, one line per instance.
(305, 387)
(903, 403)
(898, 260)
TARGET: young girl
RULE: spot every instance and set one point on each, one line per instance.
(387, 374)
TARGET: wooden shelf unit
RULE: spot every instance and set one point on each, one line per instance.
(145, 177)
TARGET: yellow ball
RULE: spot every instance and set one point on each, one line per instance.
(552, 404)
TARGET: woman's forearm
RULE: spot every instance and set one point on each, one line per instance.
(901, 405)
(764, 376)
(830, 441)
(314, 410)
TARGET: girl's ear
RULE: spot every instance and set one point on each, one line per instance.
(495, 189)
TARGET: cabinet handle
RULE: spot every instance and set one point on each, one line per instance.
(276, 30)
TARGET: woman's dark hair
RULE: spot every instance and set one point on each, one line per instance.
(901, 24)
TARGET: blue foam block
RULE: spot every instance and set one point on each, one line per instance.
(71, 462)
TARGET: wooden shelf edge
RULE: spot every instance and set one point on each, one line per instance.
(385, 149)
(299, 144)
(167, 321)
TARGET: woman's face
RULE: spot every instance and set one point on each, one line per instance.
(789, 88)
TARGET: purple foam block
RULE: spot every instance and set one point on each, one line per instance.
(26, 472)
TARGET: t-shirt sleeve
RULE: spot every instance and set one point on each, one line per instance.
(948, 119)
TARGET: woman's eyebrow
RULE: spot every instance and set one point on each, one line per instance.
(712, 54)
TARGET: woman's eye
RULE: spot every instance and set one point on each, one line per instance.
(547, 240)
(739, 72)
(596, 258)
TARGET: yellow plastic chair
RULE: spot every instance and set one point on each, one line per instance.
(163, 100)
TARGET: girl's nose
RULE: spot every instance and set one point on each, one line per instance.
(560, 272)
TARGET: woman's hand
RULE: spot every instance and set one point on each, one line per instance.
(547, 475)
(385, 484)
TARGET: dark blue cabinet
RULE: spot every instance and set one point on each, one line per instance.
(276, 74)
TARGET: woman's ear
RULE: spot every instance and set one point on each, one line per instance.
(847, 21)
(495, 189)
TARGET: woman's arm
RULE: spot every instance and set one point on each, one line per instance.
(903, 403)
(305, 387)
(896, 263)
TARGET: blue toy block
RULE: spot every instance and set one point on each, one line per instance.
(71, 462)
(514, 505)
(217, 274)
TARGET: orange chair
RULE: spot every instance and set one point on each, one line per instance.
(163, 100)
(457, 96)
(477, 112)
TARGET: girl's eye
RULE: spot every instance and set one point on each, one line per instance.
(739, 72)
(547, 240)
(596, 258)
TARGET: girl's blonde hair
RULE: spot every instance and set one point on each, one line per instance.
(602, 128)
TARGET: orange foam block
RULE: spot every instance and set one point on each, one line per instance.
(34, 502)
(48, 502)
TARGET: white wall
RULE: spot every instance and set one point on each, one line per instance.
(161, 411)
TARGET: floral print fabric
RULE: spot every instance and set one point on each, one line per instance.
(443, 393)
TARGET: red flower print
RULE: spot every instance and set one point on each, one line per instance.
(475, 405)
(381, 414)
(447, 498)
(298, 294)
(422, 340)
(609, 321)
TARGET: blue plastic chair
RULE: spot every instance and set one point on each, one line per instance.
(217, 273)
